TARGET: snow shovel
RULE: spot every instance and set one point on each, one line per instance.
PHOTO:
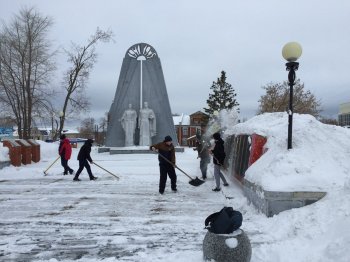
(106, 170)
(192, 182)
(225, 168)
(51, 165)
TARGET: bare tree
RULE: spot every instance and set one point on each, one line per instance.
(86, 129)
(81, 59)
(102, 129)
(276, 99)
(329, 121)
(25, 67)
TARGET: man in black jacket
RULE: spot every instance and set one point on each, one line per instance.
(84, 159)
(166, 157)
(218, 159)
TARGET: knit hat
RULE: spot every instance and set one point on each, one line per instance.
(63, 136)
(216, 136)
(168, 139)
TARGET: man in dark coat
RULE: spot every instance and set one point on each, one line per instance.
(202, 147)
(166, 168)
(218, 159)
(65, 151)
(84, 159)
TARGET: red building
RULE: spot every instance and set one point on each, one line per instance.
(187, 126)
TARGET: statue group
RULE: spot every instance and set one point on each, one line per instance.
(130, 121)
(146, 124)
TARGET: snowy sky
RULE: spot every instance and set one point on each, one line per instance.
(197, 39)
(51, 218)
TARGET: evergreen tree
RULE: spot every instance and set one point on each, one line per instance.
(223, 96)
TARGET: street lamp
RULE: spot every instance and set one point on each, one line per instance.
(61, 114)
(291, 52)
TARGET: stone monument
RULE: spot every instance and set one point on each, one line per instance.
(147, 125)
(141, 83)
(128, 122)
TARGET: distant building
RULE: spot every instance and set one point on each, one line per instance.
(6, 127)
(344, 114)
(187, 126)
(45, 133)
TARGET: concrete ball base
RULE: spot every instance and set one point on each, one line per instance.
(227, 247)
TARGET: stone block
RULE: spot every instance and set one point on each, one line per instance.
(14, 151)
(103, 149)
(227, 247)
(273, 202)
(35, 150)
(26, 151)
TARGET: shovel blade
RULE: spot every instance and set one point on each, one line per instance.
(196, 182)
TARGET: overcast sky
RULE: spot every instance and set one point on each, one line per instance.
(196, 40)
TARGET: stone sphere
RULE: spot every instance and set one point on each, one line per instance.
(227, 247)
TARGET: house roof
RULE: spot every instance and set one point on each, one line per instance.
(199, 113)
(183, 120)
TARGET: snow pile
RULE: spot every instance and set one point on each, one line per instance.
(48, 150)
(4, 153)
(319, 160)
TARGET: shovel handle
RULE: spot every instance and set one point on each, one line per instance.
(106, 170)
(52, 164)
(219, 163)
(174, 165)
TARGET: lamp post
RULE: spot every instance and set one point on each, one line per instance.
(291, 52)
(52, 126)
(61, 115)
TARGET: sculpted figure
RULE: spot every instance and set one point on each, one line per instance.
(128, 122)
(147, 125)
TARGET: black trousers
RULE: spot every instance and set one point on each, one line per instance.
(64, 163)
(82, 164)
(165, 171)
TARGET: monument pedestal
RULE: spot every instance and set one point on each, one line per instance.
(132, 150)
(273, 202)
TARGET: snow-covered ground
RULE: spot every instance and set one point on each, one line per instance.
(52, 218)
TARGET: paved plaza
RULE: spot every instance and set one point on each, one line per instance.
(45, 217)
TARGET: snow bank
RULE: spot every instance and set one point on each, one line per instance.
(313, 164)
(48, 150)
(4, 153)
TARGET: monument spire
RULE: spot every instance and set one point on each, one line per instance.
(136, 86)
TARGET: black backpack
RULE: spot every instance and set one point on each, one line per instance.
(225, 221)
